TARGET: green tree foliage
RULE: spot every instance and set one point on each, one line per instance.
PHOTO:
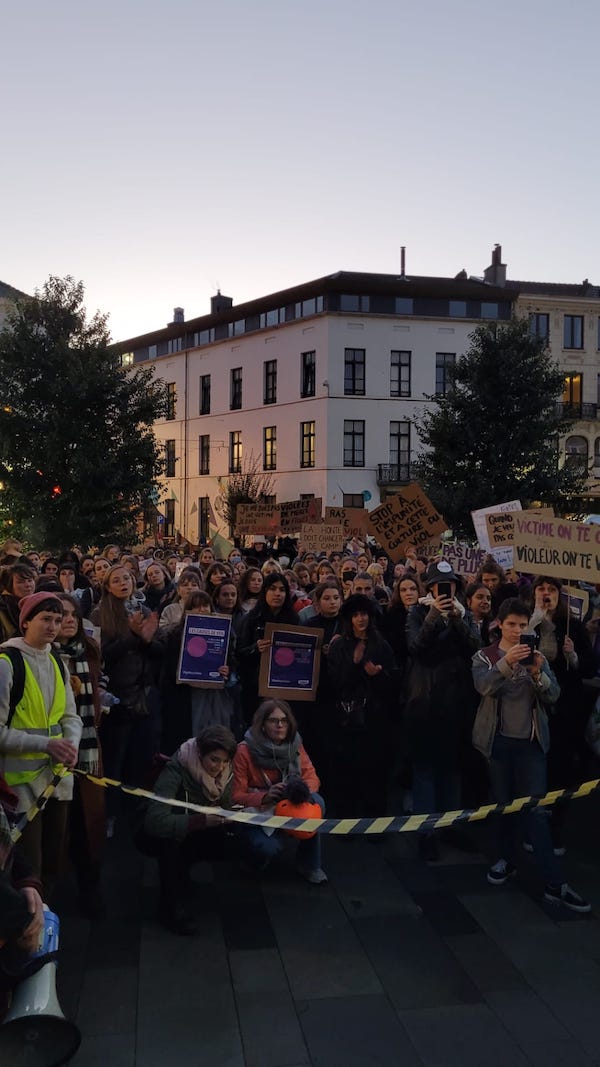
(494, 435)
(78, 456)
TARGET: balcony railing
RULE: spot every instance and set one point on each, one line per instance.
(393, 473)
(578, 411)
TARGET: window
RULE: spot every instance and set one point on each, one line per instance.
(457, 309)
(169, 518)
(404, 305)
(170, 458)
(126, 359)
(235, 452)
(203, 516)
(171, 400)
(539, 325)
(489, 311)
(354, 443)
(307, 496)
(572, 393)
(400, 373)
(354, 303)
(577, 453)
(597, 452)
(308, 382)
(270, 382)
(354, 372)
(205, 394)
(270, 448)
(235, 392)
(204, 454)
(307, 444)
(444, 361)
(573, 331)
(353, 500)
(400, 449)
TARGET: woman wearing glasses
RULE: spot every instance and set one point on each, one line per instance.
(270, 754)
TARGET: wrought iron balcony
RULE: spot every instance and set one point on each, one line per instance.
(393, 473)
(578, 411)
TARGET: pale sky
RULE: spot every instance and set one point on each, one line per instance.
(161, 150)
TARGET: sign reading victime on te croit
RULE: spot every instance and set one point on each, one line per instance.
(556, 547)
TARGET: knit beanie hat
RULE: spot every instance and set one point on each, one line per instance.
(28, 604)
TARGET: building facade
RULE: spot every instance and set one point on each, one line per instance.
(319, 385)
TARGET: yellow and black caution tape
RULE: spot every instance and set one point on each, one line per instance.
(385, 824)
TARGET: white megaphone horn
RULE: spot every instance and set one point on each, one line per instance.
(35, 1032)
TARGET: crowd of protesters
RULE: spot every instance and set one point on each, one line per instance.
(426, 686)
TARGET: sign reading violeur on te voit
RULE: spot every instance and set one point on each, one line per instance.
(407, 518)
(557, 547)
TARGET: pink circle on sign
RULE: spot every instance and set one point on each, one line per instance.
(197, 647)
(284, 657)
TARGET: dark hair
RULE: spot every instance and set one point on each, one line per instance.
(22, 570)
(472, 589)
(215, 568)
(51, 559)
(542, 579)
(191, 572)
(199, 598)
(363, 577)
(264, 710)
(214, 737)
(414, 578)
(111, 609)
(489, 566)
(215, 596)
(327, 583)
(269, 580)
(245, 578)
(92, 651)
(513, 606)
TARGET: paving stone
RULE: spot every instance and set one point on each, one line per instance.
(245, 920)
(270, 1029)
(558, 1054)
(108, 1001)
(362, 1031)
(414, 965)
(257, 970)
(526, 1016)
(366, 885)
(485, 963)
(580, 1017)
(118, 1050)
(446, 914)
(465, 1035)
(114, 943)
(503, 909)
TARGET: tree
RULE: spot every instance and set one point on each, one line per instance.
(78, 456)
(248, 486)
(494, 435)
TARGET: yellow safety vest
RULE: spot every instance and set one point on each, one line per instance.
(32, 717)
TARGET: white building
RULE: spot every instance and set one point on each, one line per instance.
(321, 383)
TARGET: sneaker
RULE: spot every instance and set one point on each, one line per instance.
(316, 877)
(559, 850)
(501, 871)
(563, 894)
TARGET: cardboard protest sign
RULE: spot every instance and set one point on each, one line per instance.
(478, 517)
(321, 537)
(294, 513)
(355, 521)
(464, 559)
(577, 600)
(408, 517)
(501, 525)
(257, 519)
(557, 547)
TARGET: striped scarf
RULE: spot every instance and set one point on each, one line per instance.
(74, 658)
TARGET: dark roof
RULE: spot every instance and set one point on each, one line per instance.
(8, 291)
(351, 282)
(582, 290)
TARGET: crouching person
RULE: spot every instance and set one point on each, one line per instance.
(198, 772)
(270, 755)
(511, 730)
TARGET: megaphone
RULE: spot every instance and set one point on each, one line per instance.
(35, 1032)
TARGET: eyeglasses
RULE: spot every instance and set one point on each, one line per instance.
(278, 722)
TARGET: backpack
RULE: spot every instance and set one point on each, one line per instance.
(18, 683)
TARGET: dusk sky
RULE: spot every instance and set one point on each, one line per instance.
(159, 151)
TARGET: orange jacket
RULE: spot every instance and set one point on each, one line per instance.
(250, 781)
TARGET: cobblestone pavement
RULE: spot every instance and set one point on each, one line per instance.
(392, 962)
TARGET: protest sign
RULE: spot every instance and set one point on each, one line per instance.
(290, 666)
(295, 513)
(557, 547)
(478, 517)
(257, 519)
(501, 525)
(355, 521)
(204, 646)
(577, 600)
(463, 558)
(321, 537)
(408, 517)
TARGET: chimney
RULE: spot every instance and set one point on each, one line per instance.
(178, 315)
(496, 273)
(403, 261)
(220, 303)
